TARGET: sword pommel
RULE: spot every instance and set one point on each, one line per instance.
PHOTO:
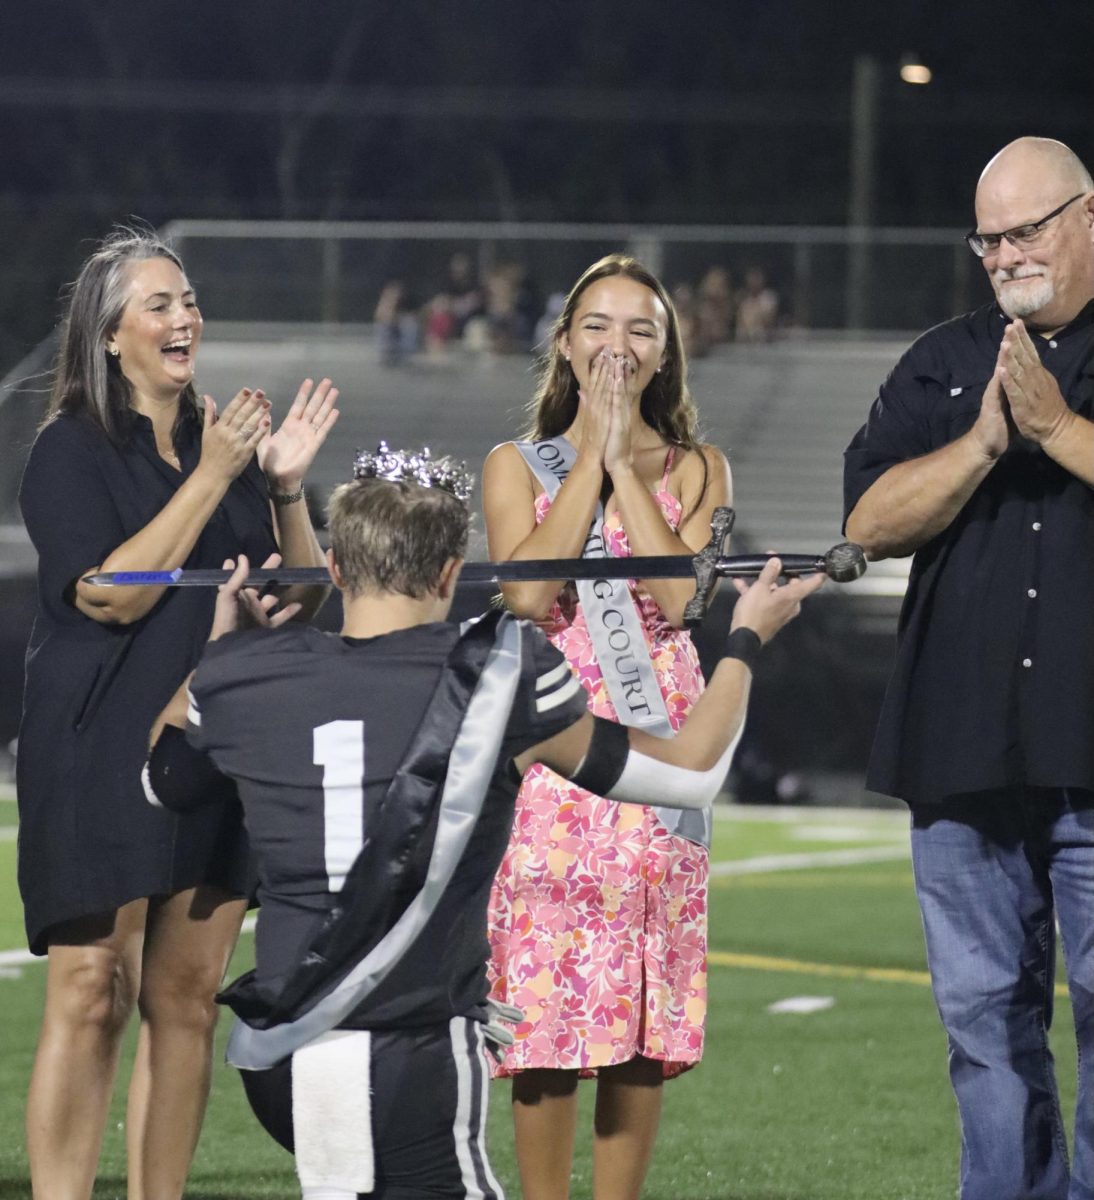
(845, 562)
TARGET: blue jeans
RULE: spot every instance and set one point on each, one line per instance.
(994, 871)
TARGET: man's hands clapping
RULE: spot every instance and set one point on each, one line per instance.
(1037, 406)
(1022, 395)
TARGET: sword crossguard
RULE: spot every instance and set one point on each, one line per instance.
(705, 565)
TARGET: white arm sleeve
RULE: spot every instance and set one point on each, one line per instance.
(646, 780)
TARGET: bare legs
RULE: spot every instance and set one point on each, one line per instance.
(628, 1111)
(187, 946)
(544, 1124)
(167, 958)
(91, 988)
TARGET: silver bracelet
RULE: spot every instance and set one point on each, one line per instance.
(281, 499)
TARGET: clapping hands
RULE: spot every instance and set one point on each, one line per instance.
(1037, 405)
(286, 455)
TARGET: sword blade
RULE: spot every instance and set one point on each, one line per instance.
(654, 566)
(669, 566)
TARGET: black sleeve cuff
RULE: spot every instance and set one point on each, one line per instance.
(181, 777)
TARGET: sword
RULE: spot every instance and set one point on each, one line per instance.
(842, 563)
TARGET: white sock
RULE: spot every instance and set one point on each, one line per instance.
(326, 1193)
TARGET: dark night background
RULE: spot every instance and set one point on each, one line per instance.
(725, 112)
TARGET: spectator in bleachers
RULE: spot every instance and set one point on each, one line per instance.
(757, 308)
(439, 324)
(466, 298)
(715, 306)
(687, 320)
(457, 302)
(510, 309)
(397, 325)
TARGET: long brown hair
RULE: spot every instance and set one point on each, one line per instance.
(89, 380)
(666, 404)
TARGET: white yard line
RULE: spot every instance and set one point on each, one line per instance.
(761, 864)
(805, 814)
(18, 958)
(764, 863)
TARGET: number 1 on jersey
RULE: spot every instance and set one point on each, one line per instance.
(339, 748)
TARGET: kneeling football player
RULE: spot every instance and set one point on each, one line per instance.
(378, 770)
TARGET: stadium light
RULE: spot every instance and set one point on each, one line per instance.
(914, 71)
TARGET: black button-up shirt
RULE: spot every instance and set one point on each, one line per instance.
(994, 676)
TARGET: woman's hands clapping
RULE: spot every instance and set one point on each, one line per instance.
(229, 439)
(286, 455)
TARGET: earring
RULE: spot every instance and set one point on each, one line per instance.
(658, 371)
(113, 351)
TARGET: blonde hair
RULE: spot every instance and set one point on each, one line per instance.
(392, 536)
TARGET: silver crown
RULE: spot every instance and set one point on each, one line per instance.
(415, 466)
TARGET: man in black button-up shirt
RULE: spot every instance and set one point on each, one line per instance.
(978, 457)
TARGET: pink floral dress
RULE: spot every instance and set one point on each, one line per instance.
(598, 914)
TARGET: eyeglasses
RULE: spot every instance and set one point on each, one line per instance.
(1021, 236)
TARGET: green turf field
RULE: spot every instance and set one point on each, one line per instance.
(849, 1103)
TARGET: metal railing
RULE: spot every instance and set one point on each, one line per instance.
(24, 395)
(828, 277)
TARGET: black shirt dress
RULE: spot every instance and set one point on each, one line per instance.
(89, 841)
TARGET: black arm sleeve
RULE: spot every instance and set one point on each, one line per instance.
(180, 777)
(599, 770)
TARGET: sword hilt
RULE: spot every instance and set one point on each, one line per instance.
(705, 565)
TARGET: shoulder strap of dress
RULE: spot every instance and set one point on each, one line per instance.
(669, 459)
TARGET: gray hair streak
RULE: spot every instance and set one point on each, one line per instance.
(87, 379)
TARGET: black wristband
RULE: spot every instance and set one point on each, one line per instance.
(182, 777)
(745, 644)
(605, 758)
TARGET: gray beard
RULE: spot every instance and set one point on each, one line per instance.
(1038, 294)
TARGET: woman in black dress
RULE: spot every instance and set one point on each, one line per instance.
(135, 907)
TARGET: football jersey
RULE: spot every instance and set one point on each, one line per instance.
(313, 727)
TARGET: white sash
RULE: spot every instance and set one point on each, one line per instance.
(615, 627)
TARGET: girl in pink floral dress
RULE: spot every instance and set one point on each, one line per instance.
(598, 920)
